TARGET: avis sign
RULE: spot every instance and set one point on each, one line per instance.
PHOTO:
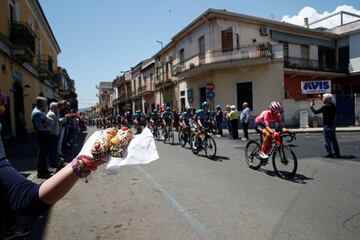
(313, 87)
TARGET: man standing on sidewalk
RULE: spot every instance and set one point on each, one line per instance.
(54, 135)
(244, 119)
(42, 127)
(328, 111)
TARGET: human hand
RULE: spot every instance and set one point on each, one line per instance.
(312, 103)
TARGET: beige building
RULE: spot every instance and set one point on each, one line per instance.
(228, 58)
(28, 59)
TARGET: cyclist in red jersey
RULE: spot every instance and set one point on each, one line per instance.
(262, 125)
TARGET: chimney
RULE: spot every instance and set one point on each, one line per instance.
(306, 22)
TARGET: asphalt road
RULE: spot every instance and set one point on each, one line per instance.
(183, 196)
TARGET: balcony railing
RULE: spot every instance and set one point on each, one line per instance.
(309, 64)
(22, 37)
(45, 67)
(246, 52)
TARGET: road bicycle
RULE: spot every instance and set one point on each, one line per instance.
(284, 159)
(184, 135)
(168, 135)
(204, 141)
(155, 131)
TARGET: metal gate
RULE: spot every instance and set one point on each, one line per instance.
(345, 110)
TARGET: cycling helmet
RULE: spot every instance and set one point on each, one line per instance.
(167, 109)
(138, 111)
(188, 108)
(199, 111)
(275, 106)
(218, 106)
(155, 110)
(204, 105)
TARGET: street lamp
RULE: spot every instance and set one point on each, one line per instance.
(161, 43)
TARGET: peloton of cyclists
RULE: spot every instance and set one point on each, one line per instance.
(262, 125)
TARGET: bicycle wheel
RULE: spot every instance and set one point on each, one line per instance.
(210, 147)
(284, 162)
(171, 137)
(252, 158)
(181, 137)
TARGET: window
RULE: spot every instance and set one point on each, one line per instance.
(151, 76)
(305, 51)
(237, 41)
(286, 49)
(227, 40)
(139, 81)
(182, 55)
(182, 93)
(202, 48)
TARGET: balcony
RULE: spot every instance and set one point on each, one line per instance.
(23, 39)
(145, 89)
(45, 67)
(312, 65)
(220, 59)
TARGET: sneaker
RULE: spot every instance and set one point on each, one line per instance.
(244, 139)
(19, 232)
(263, 155)
(194, 145)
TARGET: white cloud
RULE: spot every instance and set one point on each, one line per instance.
(313, 15)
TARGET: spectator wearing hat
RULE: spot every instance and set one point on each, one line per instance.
(219, 120)
(234, 115)
(244, 119)
(328, 111)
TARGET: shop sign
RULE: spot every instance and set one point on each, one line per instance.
(315, 87)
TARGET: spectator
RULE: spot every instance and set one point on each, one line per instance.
(244, 119)
(328, 111)
(54, 135)
(42, 127)
(227, 119)
(234, 115)
(219, 120)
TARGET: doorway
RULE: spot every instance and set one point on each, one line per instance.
(244, 94)
(19, 111)
(202, 95)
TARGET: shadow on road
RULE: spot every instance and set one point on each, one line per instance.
(298, 178)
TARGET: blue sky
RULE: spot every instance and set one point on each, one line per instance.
(99, 39)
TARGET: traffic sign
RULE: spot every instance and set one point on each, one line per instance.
(210, 95)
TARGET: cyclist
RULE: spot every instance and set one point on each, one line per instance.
(139, 118)
(154, 118)
(167, 119)
(262, 125)
(185, 117)
(202, 118)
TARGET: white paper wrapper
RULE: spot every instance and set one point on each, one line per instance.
(141, 150)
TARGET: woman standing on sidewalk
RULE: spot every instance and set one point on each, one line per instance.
(328, 111)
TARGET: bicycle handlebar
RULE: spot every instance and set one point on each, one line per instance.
(288, 134)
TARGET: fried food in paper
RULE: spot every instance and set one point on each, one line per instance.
(120, 142)
(102, 145)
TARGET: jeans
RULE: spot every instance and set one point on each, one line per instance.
(330, 139)
(219, 126)
(245, 127)
(54, 156)
(234, 125)
(229, 127)
(44, 149)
